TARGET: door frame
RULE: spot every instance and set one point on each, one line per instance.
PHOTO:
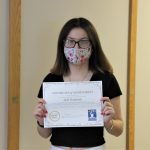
(14, 74)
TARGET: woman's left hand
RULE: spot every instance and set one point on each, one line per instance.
(107, 109)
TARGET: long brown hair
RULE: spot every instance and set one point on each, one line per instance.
(97, 61)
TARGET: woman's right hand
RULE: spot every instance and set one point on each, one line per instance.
(40, 111)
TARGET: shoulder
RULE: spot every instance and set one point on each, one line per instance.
(108, 79)
(110, 84)
(52, 78)
(109, 75)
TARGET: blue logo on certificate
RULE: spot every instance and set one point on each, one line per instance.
(92, 115)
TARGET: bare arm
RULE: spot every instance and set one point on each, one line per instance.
(44, 132)
(112, 116)
(39, 114)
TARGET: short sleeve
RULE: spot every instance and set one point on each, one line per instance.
(49, 78)
(40, 93)
(111, 87)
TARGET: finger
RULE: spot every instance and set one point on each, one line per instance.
(104, 99)
(41, 101)
(40, 111)
(43, 111)
(40, 106)
(107, 104)
(40, 114)
(107, 109)
(39, 118)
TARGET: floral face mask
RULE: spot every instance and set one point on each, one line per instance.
(77, 55)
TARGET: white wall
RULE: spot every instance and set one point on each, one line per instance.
(41, 23)
(3, 72)
(142, 100)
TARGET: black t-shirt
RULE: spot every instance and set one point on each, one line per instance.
(83, 136)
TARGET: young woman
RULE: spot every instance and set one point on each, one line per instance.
(81, 58)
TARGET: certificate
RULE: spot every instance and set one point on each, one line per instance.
(73, 104)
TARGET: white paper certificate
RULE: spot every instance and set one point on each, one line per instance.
(73, 104)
